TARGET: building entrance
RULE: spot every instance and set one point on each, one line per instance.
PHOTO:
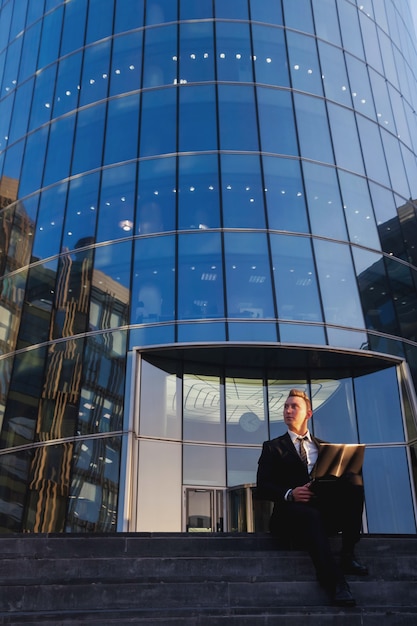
(204, 510)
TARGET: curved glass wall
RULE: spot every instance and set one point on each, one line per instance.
(220, 172)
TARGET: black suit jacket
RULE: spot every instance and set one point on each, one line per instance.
(280, 469)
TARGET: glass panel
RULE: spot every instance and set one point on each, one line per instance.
(303, 334)
(100, 19)
(68, 79)
(358, 210)
(190, 10)
(362, 97)
(33, 162)
(276, 120)
(234, 54)
(49, 224)
(295, 279)
(370, 42)
(81, 212)
(153, 280)
(196, 48)
(200, 510)
(271, 65)
(158, 11)
(243, 205)
(203, 419)
(117, 200)
(202, 331)
(304, 63)
(122, 130)
(19, 122)
(338, 285)
(51, 37)
(387, 491)
(335, 80)
(284, 193)
(197, 104)
(42, 97)
(248, 276)
(396, 165)
(204, 465)
(326, 21)
(266, 11)
(95, 79)
(200, 284)
(351, 34)
(74, 26)
(313, 128)
(334, 417)
(156, 196)
(245, 411)
(126, 66)
(158, 122)
(403, 291)
(377, 395)
(129, 15)
(348, 153)
(325, 205)
(61, 139)
(198, 198)
(242, 464)
(298, 15)
(30, 47)
(232, 9)
(89, 132)
(161, 56)
(237, 103)
(159, 413)
(110, 296)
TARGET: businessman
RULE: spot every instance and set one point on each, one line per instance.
(304, 517)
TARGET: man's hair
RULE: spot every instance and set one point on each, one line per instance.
(299, 393)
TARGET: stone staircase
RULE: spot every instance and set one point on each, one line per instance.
(195, 580)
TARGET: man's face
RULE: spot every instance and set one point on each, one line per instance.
(296, 414)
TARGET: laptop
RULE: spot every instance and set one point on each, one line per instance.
(336, 459)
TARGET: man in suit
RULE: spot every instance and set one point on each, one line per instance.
(300, 515)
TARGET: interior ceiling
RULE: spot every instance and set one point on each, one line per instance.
(253, 357)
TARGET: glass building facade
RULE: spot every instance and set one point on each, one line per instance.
(202, 205)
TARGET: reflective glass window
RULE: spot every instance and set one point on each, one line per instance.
(370, 42)
(117, 202)
(360, 87)
(375, 292)
(276, 120)
(6, 109)
(271, 65)
(373, 153)
(89, 132)
(343, 124)
(51, 37)
(241, 465)
(313, 128)
(395, 164)
(358, 210)
(161, 56)
(68, 79)
(19, 123)
(36, 316)
(198, 197)
(81, 211)
(200, 276)
(295, 279)
(99, 19)
(388, 502)
(42, 97)
(203, 465)
(304, 65)
(326, 21)
(351, 34)
(266, 11)
(13, 160)
(61, 137)
(302, 333)
(153, 288)
(191, 10)
(160, 402)
(237, 103)
(29, 52)
(334, 419)
(126, 67)
(203, 418)
(324, 201)
(378, 407)
(243, 205)
(410, 169)
(95, 78)
(248, 276)
(110, 296)
(33, 162)
(246, 420)
(128, 15)
(390, 70)
(338, 287)
(6, 18)
(49, 223)
(122, 129)
(198, 332)
(404, 294)
(284, 194)
(156, 196)
(159, 11)
(197, 118)
(232, 9)
(384, 205)
(298, 15)
(334, 74)
(382, 102)
(11, 67)
(158, 122)
(73, 31)
(234, 54)
(196, 51)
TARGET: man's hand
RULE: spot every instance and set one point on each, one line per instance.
(303, 493)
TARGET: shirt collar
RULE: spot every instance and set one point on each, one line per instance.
(294, 436)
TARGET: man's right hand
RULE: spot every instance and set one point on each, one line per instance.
(303, 493)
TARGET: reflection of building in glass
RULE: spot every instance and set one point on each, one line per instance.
(202, 205)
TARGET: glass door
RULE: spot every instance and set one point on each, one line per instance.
(204, 510)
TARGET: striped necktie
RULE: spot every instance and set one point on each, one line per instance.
(303, 452)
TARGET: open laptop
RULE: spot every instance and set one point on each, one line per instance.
(336, 459)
